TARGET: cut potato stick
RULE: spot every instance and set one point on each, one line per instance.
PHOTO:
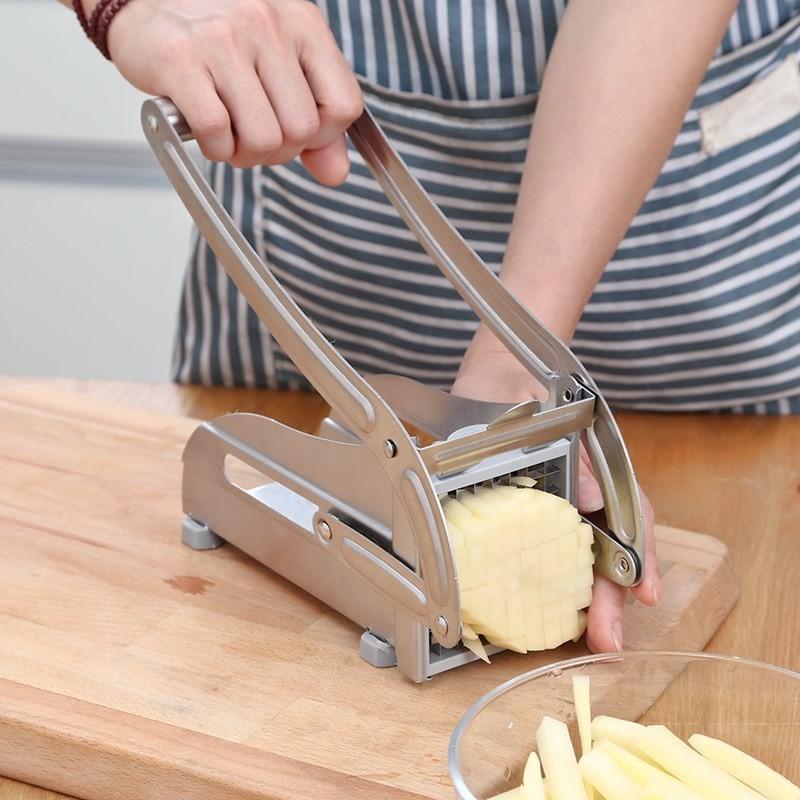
(533, 787)
(698, 773)
(604, 774)
(511, 794)
(558, 761)
(747, 769)
(639, 770)
(582, 697)
(620, 731)
(581, 693)
(665, 787)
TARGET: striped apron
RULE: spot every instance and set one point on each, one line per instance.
(699, 308)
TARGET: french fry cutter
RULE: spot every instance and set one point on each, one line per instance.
(353, 515)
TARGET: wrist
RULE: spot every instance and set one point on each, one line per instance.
(549, 295)
(96, 18)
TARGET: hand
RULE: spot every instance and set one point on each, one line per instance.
(259, 81)
(489, 372)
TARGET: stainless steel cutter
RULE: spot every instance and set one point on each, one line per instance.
(353, 515)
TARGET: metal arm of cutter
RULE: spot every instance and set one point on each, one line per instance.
(358, 404)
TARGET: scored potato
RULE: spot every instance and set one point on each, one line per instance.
(524, 562)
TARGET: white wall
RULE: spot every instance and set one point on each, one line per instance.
(93, 240)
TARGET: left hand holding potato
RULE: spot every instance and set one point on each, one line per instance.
(489, 372)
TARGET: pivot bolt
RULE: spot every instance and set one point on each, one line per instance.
(324, 530)
(389, 449)
(622, 565)
(441, 624)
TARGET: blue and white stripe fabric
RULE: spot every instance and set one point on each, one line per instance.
(698, 310)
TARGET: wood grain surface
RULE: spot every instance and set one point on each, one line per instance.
(89, 498)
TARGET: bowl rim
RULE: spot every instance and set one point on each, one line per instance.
(462, 790)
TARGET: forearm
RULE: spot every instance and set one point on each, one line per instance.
(619, 80)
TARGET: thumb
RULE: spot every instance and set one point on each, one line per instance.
(330, 164)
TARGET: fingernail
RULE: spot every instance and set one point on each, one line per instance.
(616, 635)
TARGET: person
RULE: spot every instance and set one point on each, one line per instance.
(647, 212)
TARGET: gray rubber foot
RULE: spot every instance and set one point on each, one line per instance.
(199, 536)
(376, 651)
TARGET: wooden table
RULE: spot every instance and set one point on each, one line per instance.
(737, 478)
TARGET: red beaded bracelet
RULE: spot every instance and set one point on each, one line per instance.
(104, 24)
(81, 13)
(99, 23)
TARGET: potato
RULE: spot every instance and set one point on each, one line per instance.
(511, 794)
(524, 561)
(747, 769)
(698, 773)
(665, 787)
(630, 761)
(604, 774)
(582, 697)
(636, 768)
(558, 761)
(472, 642)
(532, 783)
(620, 731)
(581, 694)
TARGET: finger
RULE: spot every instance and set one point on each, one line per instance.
(291, 99)
(206, 115)
(605, 630)
(329, 164)
(335, 88)
(590, 498)
(649, 590)
(257, 132)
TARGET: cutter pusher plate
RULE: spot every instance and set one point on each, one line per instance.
(353, 514)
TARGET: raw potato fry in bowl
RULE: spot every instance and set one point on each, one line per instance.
(634, 726)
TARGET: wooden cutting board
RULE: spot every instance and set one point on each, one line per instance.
(132, 667)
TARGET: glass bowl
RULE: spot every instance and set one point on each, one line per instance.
(749, 704)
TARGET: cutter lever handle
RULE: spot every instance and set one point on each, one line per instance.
(333, 377)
